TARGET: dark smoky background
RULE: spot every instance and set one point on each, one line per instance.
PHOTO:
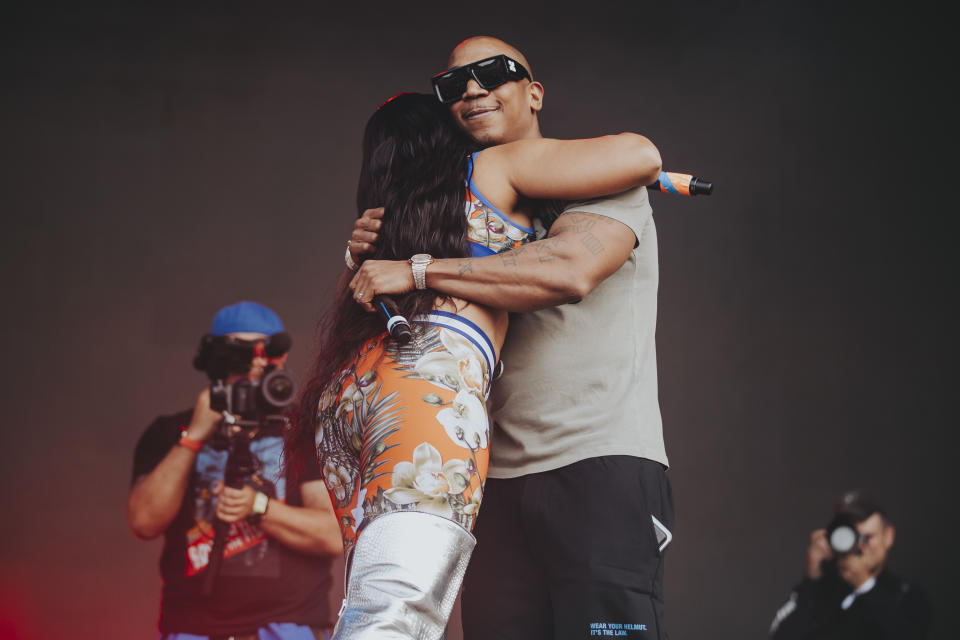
(159, 162)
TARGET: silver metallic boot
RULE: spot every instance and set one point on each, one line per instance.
(403, 574)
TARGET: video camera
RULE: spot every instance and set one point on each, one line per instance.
(255, 402)
(252, 408)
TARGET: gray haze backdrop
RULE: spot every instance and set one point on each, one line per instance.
(160, 162)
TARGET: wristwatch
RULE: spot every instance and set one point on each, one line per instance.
(260, 502)
(418, 264)
(347, 258)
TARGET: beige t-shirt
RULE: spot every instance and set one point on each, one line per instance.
(580, 380)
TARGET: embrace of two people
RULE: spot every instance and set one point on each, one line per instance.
(468, 217)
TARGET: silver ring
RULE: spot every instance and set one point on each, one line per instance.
(360, 296)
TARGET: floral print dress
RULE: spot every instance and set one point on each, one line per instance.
(489, 230)
(406, 428)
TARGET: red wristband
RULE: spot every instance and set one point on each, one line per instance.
(190, 443)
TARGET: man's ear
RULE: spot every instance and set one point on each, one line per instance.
(536, 96)
(889, 533)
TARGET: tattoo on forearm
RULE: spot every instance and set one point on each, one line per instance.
(580, 223)
(592, 244)
(465, 266)
(546, 249)
(509, 258)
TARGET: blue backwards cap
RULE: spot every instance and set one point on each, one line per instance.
(243, 317)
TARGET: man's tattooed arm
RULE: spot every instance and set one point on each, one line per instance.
(581, 250)
(580, 225)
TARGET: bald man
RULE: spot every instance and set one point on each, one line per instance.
(577, 510)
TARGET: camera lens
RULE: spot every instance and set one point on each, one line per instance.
(278, 389)
(843, 539)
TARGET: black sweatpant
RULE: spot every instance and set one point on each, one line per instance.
(571, 553)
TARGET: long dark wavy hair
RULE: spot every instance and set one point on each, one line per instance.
(415, 164)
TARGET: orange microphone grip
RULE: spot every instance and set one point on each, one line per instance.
(682, 184)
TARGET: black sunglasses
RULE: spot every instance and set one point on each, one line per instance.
(489, 73)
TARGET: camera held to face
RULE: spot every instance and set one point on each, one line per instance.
(256, 402)
(843, 536)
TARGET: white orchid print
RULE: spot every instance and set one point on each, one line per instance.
(485, 228)
(337, 480)
(357, 391)
(457, 367)
(466, 421)
(440, 368)
(351, 442)
(473, 506)
(428, 482)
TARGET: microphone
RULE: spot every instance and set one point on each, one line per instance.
(397, 325)
(681, 184)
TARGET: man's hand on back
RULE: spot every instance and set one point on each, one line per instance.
(393, 277)
(366, 232)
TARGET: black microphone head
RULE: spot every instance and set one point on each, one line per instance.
(278, 344)
(699, 187)
(397, 325)
(401, 332)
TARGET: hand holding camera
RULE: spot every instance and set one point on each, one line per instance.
(854, 544)
(241, 381)
(818, 552)
(205, 420)
(234, 505)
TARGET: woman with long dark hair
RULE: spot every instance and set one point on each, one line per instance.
(402, 431)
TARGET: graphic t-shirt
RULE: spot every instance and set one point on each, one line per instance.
(260, 580)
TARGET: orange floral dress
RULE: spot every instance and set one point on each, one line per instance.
(406, 428)
(489, 230)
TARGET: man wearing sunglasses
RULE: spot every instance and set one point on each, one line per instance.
(493, 99)
(275, 575)
(577, 509)
(849, 593)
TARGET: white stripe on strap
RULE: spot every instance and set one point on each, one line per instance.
(464, 327)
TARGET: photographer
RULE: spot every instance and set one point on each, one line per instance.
(279, 533)
(847, 592)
